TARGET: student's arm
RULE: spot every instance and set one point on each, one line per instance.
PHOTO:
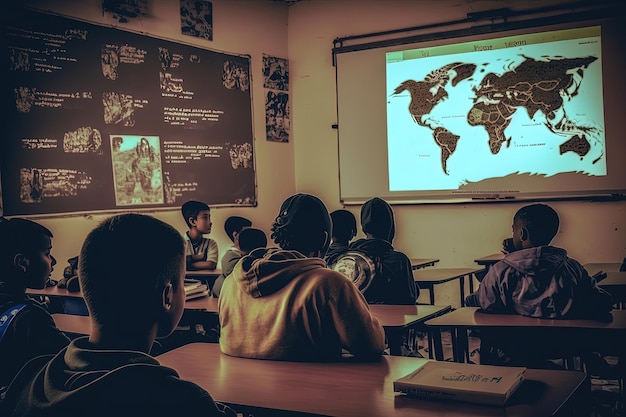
(206, 259)
(489, 295)
(359, 332)
(597, 301)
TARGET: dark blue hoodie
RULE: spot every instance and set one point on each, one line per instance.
(394, 284)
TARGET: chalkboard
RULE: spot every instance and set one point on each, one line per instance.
(103, 119)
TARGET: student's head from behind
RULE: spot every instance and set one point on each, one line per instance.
(197, 215)
(234, 225)
(534, 225)
(131, 271)
(252, 238)
(377, 219)
(303, 224)
(25, 258)
(344, 226)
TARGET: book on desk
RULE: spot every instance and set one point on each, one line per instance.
(482, 384)
(195, 289)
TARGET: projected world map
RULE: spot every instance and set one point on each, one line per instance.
(532, 109)
(536, 86)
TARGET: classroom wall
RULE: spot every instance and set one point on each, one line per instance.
(303, 32)
(457, 234)
(249, 27)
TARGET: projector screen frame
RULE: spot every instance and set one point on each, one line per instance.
(548, 17)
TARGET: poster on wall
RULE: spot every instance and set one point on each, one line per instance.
(277, 108)
(103, 119)
(196, 18)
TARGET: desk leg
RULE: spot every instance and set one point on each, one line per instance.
(437, 345)
(471, 283)
(462, 284)
(394, 340)
(460, 345)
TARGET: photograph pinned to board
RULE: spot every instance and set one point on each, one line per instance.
(277, 109)
(137, 170)
(124, 10)
(196, 18)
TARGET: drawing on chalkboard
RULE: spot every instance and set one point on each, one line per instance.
(235, 76)
(83, 140)
(110, 61)
(32, 185)
(196, 18)
(241, 155)
(118, 109)
(24, 99)
(137, 170)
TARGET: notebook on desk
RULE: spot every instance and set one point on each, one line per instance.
(195, 289)
(482, 384)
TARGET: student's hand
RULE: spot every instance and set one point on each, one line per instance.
(507, 246)
(198, 256)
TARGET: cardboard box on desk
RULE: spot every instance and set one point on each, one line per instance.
(483, 384)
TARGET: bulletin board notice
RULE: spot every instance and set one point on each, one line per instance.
(104, 120)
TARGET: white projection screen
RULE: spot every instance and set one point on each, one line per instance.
(529, 114)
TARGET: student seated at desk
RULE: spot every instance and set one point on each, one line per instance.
(29, 330)
(110, 372)
(249, 239)
(233, 227)
(285, 304)
(344, 229)
(392, 280)
(536, 280)
(201, 253)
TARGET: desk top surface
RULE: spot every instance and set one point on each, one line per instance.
(490, 259)
(405, 315)
(72, 323)
(595, 267)
(613, 278)
(204, 273)
(471, 317)
(417, 263)
(439, 275)
(349, 389)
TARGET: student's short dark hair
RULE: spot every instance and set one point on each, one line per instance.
(124, 262)
(344, 224)
(235, 224)
(18, 235)
(542, 222)
(191, 208)
(251, 239)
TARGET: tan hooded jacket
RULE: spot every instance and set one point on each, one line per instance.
(281, 305)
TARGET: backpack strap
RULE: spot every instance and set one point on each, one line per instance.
(7, 317)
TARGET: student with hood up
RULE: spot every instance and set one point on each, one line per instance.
(393, 282)
(285, 304)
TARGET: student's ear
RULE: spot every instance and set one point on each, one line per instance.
(192, 221)
(21, 262)
(167, 297)
(525, 235)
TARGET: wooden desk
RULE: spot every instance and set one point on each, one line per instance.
(428, 278)
(460, 321)
(53, 292)
(595, 267)
(206, 276)
(351, 389)
(615, 283)
(489, 260)
(397, 319)
(204, 304)
(419, 263)
(70, 323)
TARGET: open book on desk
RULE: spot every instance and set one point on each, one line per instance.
(195, 289)
(483, 384)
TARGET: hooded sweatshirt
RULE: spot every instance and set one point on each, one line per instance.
(280, 305)
(83, 381)
(541, 282)
(394, 282)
